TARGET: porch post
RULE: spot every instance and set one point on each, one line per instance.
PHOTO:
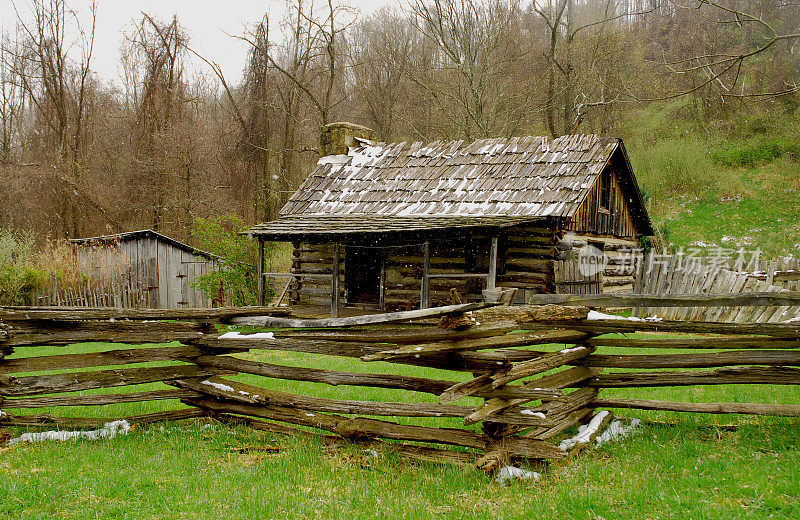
(491, 282)
(424, 301)
(262, 296)
(335, 282)
(382, 283)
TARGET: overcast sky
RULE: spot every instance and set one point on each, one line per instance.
(206, 21)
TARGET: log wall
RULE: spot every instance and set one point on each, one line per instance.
(524, 261)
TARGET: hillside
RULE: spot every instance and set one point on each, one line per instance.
(727, 185)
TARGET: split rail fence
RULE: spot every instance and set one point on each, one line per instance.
(533, 371)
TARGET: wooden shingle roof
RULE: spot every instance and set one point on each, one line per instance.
(521, 177)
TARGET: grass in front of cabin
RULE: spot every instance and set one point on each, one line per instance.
(693, 467)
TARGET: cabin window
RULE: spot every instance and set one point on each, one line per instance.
(363, 269)
(605, 189)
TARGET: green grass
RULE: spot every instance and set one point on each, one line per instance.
(735, 183)
(663, 472)
(683, 466)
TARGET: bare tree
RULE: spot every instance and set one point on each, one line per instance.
(313, 61)
(569, 93)
(155, 54)
(12, 97)
(55, 80)
(381, 50)
(724, 67)
(472, 80)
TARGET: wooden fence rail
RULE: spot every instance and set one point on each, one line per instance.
(536, 370)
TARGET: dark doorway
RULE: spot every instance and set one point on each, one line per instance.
(362, 274)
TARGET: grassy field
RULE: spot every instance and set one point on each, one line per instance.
(676, 466)
(734, 183)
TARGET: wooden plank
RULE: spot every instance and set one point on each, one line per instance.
(697, 343)
(757, 299)
(487, 382)
(397, 334)
(360, 428)
(604, 326)
(59, 333)
(262, 291)
(261, 396)
(505, 341)
(98, 359)
(97, 399)
(332, 377)
(563, 379)
(492, 280)
(783, 410)
(372, 319)
(694, 360)
(57, 383)
(720, 376)
(539, 365)
(47, 421)
(60, 339)
(239, 392)
(447, 360)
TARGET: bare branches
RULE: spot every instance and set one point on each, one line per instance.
(723, 70)
(473, 51)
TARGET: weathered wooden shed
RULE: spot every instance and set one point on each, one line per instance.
(402, 224)
(156, 265)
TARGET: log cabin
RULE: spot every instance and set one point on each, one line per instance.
(401, 225)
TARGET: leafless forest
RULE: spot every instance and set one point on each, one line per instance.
(79, 157)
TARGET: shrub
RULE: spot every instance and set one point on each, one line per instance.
(236, 271)
(19, 275)
(761, 151)
(673, 166)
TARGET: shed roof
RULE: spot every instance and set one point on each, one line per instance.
(521, 177)
(142, 233)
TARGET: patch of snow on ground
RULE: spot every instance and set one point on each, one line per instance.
(700, 243)
(515, 473)
(616, 431)
(585, 431)
(239, 335)
(595, 315)
(108, 431)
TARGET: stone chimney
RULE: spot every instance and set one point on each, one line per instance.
(335, 138)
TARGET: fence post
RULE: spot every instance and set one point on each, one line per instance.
(54, 288)
(261, 282)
